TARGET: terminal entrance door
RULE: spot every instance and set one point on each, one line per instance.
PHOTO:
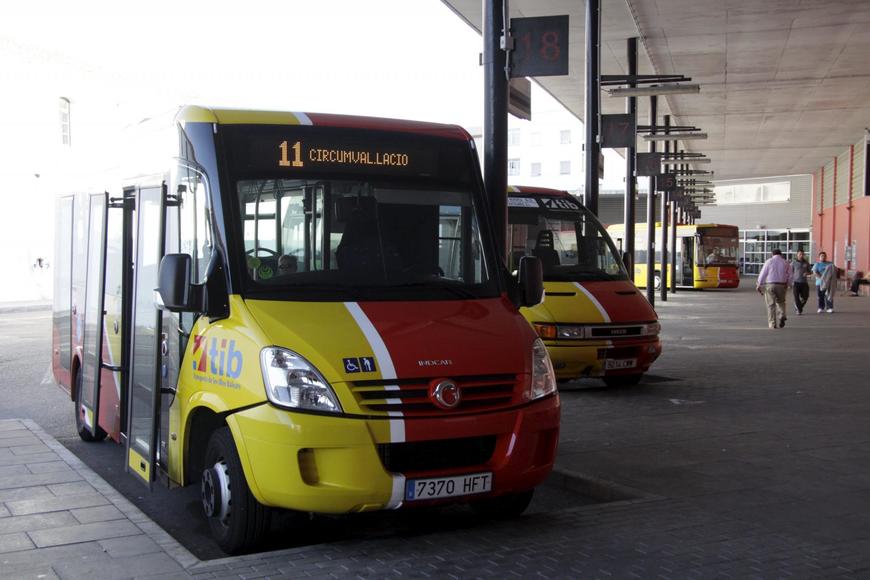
(145, 379)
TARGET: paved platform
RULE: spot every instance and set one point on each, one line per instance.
(747, 449)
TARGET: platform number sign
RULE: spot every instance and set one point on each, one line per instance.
(619, 130)
(648, 164)
(540, 46)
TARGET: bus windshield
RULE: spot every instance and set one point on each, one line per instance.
(717, 251)
(572, 245)
(360, 239)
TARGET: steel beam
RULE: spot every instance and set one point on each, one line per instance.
(630, 166)
(664, 216)
(593, 101)
(495, 112)
(651, 212)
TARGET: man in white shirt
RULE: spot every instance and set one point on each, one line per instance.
(773, 281)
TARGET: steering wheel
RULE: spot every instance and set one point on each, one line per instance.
(254, 251)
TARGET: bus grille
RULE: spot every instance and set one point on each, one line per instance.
(411, 396)
(433, 455)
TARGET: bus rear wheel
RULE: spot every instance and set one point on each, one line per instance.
(623, 380)
(237, 520)
(81, 428)
(507, 506)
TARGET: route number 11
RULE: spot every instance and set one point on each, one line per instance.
(285, 160)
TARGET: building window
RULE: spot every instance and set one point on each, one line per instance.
(564, 168)
(536, 169)
(64, 122)
(744, 193)
(513, 166)
(565, 137)
(513, 137)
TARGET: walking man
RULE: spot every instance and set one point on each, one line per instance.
(773, 280)
(800, 269)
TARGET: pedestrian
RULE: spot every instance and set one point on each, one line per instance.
(773, 281)
(824, 272)
(800, 270)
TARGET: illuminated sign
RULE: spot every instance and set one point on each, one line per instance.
(296, 150)
(293, 156)
(551, 203)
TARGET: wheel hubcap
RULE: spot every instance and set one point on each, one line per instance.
(215, 491)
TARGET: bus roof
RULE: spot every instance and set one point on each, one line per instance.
(198, 114)
(524, 190)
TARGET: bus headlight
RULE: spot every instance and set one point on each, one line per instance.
(292, 382)
(543, 378)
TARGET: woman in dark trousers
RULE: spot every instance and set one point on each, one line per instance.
(800, 269)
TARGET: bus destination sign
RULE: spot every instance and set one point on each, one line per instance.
(320, 153)
(292, 156)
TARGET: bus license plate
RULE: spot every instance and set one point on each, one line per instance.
(438, 487)
(620, 363)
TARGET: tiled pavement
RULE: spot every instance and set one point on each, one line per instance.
(750, 447)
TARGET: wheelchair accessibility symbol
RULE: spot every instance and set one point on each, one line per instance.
(363, 364)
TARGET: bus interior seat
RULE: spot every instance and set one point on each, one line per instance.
(359, 250)
(545, 250)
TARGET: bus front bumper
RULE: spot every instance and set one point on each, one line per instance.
(326, 464)
(603, 358)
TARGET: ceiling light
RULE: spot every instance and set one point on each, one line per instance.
(685, 89)
(689, 160)
(675, 137)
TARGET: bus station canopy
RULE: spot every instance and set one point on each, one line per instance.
(784, 84)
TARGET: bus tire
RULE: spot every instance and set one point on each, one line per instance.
(507, 506)
(623, 380)
(81, 428)
(657, 280)
(237, 520)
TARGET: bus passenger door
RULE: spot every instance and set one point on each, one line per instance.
(687, 263)
(145, 357)
(92, 336)
(61, 316)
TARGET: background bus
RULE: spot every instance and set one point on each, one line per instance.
(705, 256)
(594, 321)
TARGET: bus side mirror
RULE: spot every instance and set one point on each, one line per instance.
(530, 275)
(173, 284)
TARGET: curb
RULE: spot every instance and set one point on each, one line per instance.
(134, 515)
(595, 487)
(24, 307)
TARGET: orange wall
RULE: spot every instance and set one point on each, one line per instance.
(831, 227)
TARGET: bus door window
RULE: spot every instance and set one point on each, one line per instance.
(190, 224)
(688, 248)
(301, 232)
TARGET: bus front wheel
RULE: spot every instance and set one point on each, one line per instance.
(237, 520)
(81, 428)
(657, 280)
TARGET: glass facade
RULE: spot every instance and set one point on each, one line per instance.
(756, 245)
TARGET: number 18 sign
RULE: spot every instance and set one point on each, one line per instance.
(540, 46)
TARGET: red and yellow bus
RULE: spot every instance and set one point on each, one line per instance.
(593, 320)
(332, 330)
(706, 255)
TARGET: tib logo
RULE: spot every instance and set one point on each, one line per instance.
(223, 360)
